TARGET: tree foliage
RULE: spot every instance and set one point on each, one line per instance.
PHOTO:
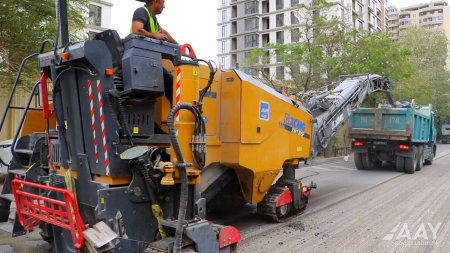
(430, 82)
(376, 53)
(24, 25)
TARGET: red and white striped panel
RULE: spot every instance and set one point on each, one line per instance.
(102, 123)
(178, 93)
(93, 126)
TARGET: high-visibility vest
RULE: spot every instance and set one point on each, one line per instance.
(153, 25)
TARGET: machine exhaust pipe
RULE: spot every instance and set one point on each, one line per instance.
(63, 24)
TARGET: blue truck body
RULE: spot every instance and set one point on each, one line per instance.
(405, 137)
(445, 133)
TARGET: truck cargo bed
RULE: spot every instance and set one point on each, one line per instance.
(403, 124)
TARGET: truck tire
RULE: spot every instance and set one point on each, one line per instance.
(400, 163)
(377, 163)
(420, 158)
(367, 161)
(430, 159)
(358, 161)
(411, 162)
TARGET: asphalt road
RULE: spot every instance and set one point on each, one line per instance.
(364, 211)
(351, 211)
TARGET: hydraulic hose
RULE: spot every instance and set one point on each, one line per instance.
(203, 92)
(184, 190)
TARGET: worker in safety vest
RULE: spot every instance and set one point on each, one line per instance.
(145, 22)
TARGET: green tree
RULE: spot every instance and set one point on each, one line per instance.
(430, 83)
(24, 25)
(378, 54)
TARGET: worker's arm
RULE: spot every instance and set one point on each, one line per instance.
(170, 38)
(138, 28)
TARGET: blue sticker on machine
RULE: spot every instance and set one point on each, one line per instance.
(264, 110)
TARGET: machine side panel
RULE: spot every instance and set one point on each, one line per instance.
(72, 117)
(101, 151)
(273, 131)
(230, 109)
(230, 118)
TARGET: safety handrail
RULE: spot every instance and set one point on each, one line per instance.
(32, 208)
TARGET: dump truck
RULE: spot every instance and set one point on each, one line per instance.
(445, 133)
(139, 136)
(405, 137)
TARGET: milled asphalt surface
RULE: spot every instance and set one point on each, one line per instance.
(351, 211)
(397, 215)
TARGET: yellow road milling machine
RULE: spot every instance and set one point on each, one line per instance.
(141, 136)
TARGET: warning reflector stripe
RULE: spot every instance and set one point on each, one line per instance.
(102, 123)
(178, 93)
(93, 126)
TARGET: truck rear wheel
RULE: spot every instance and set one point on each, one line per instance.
(358, 161)
(378, 163)
(420, 158)
(400, 163)
(367, 161)
(411, 162)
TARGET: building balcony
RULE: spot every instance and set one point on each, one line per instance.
(434, 22)
(356, 12)
(404, 26)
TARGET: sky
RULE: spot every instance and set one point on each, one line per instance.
(191, 21)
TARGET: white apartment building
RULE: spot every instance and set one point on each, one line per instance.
(247, 24)
(433, 16)
(98, 17)
(393, 21)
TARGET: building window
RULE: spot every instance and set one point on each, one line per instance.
(280, 37)
(265, 39)
(222, 61)
(224, 3)
(280, 73)
(95, 15)
(280, 20)
(360, 9)
(224, 31)
(251, 7)
(294, 19)
(294, 3)
(251, 40)
(223, 47)
(224, 15)
(265, 23)
(265, 6)
(295, 35)
(251, 24)
(247, 54)
(234, 63)
(280, 4)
